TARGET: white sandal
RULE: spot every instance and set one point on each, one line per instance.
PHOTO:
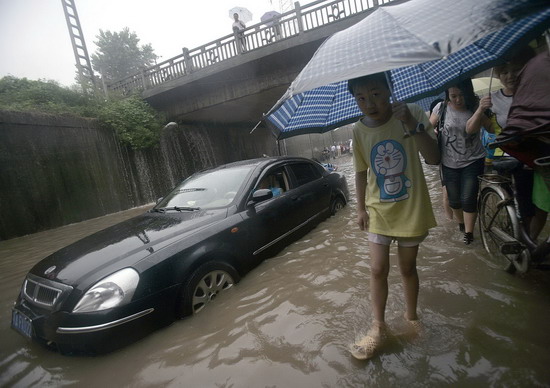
(367, 346)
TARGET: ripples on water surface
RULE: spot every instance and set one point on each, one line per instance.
(289, 322)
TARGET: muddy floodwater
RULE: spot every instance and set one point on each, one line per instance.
(289, 322)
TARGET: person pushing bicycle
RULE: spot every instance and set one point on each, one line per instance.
(527, 137)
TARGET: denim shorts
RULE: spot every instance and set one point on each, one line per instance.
(463, 185)
(401, 241)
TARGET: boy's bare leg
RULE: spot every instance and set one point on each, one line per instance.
(409, 274)
(380, 267)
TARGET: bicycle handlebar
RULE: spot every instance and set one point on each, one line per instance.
(517, 139)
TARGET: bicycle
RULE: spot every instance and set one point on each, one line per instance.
(502, 228)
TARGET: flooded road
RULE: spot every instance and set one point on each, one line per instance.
(289, 322)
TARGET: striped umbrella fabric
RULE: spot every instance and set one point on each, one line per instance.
(329, 106)
(413, 82)
(318, 110)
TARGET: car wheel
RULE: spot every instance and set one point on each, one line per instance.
(336, 205)
(204, 285)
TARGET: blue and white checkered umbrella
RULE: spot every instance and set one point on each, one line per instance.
(461, 39)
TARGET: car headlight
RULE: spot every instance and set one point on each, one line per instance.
(114, 290)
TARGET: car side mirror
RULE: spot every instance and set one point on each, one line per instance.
(159, 199)
(261, 195)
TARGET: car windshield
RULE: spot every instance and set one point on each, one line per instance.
(206, 190)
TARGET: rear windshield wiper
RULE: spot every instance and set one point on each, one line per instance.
(178, 208)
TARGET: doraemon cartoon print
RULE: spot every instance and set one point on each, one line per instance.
(388, 161)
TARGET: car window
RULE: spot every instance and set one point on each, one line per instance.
(276, 180)
(208, 190)
(304, 173)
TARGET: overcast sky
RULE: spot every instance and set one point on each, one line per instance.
(35, 41)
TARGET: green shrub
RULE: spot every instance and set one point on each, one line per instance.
(39, 96)
(134, 121)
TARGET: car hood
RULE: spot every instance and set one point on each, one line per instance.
(123, 244)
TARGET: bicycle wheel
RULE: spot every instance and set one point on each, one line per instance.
(504, 218)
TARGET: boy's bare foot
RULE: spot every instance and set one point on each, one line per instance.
(414, 325)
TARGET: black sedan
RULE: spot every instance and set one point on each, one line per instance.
(119, 284)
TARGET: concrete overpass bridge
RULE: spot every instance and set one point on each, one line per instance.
(235, 79)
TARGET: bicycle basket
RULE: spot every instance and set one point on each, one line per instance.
(494, 179)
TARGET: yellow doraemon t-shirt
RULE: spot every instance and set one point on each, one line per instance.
(397, 200)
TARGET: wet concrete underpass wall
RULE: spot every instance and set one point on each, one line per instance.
(57, 170)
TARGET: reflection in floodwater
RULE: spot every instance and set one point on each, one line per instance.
(289, 322)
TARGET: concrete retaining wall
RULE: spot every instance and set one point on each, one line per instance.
(59, 170)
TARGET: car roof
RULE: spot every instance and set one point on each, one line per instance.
(260, 162)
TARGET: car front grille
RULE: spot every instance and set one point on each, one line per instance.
(40, 293)
(44, 293)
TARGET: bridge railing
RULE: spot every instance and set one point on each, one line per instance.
(287, 25)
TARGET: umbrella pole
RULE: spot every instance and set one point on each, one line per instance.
(256, 126)
(491, 79)
(390, 86)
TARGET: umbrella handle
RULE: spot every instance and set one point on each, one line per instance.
(390, 86)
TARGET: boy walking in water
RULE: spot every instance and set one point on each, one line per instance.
(393, 202)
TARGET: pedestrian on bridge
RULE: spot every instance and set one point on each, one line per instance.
(238, 28)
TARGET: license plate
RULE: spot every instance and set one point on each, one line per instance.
(21, 323)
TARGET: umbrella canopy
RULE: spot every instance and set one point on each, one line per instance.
(244, 14)
(418, 70)
(406, 34)
(267, 18)
(482, 85)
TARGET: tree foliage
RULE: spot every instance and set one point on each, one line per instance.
(134, 121)
(120, 55)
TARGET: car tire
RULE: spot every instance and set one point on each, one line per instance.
(336, 205)
(204, 285)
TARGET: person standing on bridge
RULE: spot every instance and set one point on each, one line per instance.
(238, 28)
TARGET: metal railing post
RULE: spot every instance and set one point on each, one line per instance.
(188, 62)
(144, 82)
(299, 17)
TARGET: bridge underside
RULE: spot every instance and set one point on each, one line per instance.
(239, 94)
